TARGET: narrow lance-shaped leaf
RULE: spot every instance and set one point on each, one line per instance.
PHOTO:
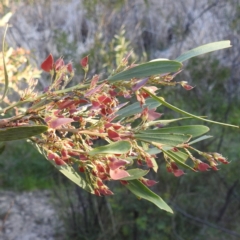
(120, 147)
(168, 105)
(136, 108)
(67, 171)
(200, 139)
(147, 69)
(15, 133)
(164, 138)
(72, 175)
(4, 65)
(193, 130)
(141, 191)
(210, 47)
(165, 122)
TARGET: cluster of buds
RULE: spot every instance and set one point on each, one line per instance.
(213, 160)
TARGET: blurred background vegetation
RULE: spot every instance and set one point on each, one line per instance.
(206, 205)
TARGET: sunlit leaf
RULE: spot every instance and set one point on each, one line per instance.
(135, 108)
(21, 132)
(210, 47)
(120, 147)
(155, 150)
(135, 174)
(154, 163)
(147, 69)
(164, 138)
(141, 191)
(165, 122)
(193, 130)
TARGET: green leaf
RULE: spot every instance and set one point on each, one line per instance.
(67, 171)
(210, 47)
(147, 69)
(164, 138)
(154, 163)
(168, 105)
(193, 130)
(155, 150)
(72, 175)
(15, 133)
(141, 191)
(135, 174)
(181, 156)
(136, 108)
(200, 139)
(166, 122)
(4, 65)
(177, 158)
(120, 147)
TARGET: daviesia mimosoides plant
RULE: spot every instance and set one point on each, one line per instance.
(120, 114)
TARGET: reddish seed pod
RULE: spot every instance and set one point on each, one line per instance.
(188, 87)
(47, 64)
(69, 67)
(84, 62)
(203, 166)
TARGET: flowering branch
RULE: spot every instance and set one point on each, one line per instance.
(66, 125)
